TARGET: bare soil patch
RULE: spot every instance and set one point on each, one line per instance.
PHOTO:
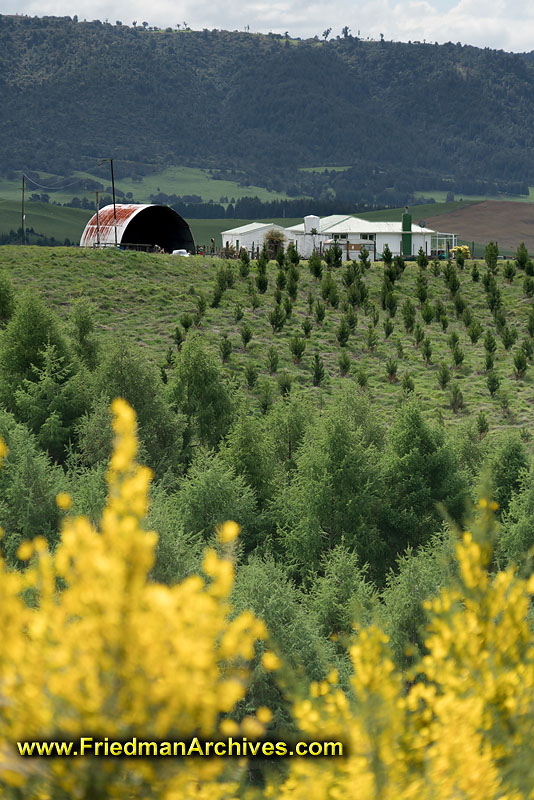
(507, 223)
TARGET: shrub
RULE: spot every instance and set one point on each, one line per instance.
(272, 360)
(246, 334)
(520, 363)
(475, 274)
(251, 375)
(320, 311)
(297, 347)
(419, 334)
(427, 312)
(343, 332)
(225, 347)
(426, 351)
(482, 424)
(528, 286)
(307, 327)
(456, 398)
(244, 263)
(509, 271)
(391, 370)
(490, 345)
(408, 385)
(315, 265)
(362, 377)
(352, 319)
(288, 307)
(277, 318)
(474, 331)
(408, 315)
(459, 305)
(490, 255)
(458, 355)
(422, 259)
(292, 288)
(284, 384)
(371, 338)
(388, 328)
(453, 340)
(508, 337)
(493, 382)
(318, 370)
(444, 375)
(265, 395)
(489, 362)
(344, 363)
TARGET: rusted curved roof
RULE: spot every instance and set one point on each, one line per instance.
(125, 213)
(139, 224)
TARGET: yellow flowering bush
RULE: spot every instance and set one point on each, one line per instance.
(460, 249)
(89, 646)
(461, 726)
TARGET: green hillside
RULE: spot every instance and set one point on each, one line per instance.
(251, 108)
(144, 296)
(172, 180)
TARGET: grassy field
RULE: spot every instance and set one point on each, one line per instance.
(142, 297)
(423, 212)
(49, 220)
(173, 180)
(440, 196)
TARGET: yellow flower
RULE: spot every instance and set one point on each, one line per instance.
(25, 551)
(64, 501)
(264, 714)
(228, 532)
(270, 661)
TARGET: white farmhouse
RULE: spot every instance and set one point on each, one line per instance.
(403, 238)
(250, 236)
(350, 233)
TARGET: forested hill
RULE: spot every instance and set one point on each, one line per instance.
(73, 91)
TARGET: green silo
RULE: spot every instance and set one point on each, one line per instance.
(406, 233)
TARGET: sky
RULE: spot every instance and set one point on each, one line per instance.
(500, 24)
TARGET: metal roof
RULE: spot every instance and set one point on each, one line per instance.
(252, 226)
(125, 213)
(357, 225)
(324, 223)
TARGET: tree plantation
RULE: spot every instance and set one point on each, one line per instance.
(366, 428)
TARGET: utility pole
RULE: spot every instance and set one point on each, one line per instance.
(97, 222)
(23, 237)
(113, 190)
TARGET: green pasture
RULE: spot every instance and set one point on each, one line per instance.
(173, 180)
(440, 196)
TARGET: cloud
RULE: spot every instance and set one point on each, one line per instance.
(501, 24)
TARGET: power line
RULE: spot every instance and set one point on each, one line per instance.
(53, 188)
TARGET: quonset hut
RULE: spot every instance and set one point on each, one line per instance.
(139, 227)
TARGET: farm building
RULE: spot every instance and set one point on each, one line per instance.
(250, 236)
(138, 227)
(351, 234)
(403, 238)
(311, 234)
